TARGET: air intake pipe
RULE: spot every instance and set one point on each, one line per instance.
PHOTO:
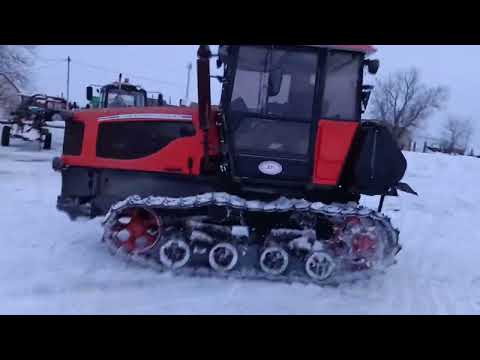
(204, 97)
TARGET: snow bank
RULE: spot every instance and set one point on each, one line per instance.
(50, 265)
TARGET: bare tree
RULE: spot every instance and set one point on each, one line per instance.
(15, 63)
(457, 134)
(403, 102)
(16, 60)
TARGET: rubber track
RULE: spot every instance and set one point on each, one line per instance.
(235, 202)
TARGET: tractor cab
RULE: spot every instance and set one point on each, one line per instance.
(117, 95)
(284, 105)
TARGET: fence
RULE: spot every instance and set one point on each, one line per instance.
(431, 145)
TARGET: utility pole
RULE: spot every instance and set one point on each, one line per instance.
(189, 68)
(68, 80)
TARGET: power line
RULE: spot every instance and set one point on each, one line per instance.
(105, 69)
(44, 66)
(44, 59)
(36, 68)
(101, 68)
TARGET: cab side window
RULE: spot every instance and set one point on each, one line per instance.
(340, 98)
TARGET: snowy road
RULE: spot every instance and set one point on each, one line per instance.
(49, 265)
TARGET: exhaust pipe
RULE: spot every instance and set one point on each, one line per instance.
(204, 97)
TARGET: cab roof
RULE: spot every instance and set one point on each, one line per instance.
(124, 86)
(366, 49)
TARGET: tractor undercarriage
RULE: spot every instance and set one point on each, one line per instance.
(223, 235)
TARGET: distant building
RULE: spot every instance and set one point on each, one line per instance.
(9, 95)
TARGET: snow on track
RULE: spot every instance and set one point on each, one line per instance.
(50, 265)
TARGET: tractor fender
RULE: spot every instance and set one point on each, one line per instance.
(378, 165)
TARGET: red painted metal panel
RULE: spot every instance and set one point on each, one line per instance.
(334, 140)
(173, 158)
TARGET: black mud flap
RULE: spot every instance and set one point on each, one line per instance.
(378, 163)
(405, 188)
(73, 208)
(393, 191)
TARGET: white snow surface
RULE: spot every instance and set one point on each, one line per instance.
(51, 265)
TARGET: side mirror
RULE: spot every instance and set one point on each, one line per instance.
(224, 56)
(275, 82)
(160, 101)
(89, 93)
(373, 66)
(204, 51)
(219, 78)
(366, 94)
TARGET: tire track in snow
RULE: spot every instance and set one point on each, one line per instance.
(425, 301)
(439, 302)
(394, 287)
(393, 284)
(414, 293)
(419, 275)
(474, 285)
(442, 290)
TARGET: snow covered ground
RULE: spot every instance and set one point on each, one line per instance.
(50, 265)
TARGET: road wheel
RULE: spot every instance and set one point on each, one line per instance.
(6, 135)
(47, 144)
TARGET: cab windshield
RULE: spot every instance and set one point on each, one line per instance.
(272, 100)
(275, 82)
(122, 98)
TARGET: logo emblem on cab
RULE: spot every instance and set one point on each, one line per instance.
(270, 168)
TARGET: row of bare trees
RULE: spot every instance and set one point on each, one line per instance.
(403, 102)
(457, 134)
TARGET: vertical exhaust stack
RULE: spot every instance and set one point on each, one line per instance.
(204, 97)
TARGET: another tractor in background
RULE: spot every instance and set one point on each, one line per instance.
(32, 118)
(120, 94)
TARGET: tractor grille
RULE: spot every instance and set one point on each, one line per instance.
(72, 143)
(138, 139)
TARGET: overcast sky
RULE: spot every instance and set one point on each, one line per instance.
(164, 68)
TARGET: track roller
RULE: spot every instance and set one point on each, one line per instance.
(6, 130)
(319, 266)
(174, 254)
(274, 260)
(223, 257)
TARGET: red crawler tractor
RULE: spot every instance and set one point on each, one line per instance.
(264, 186)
